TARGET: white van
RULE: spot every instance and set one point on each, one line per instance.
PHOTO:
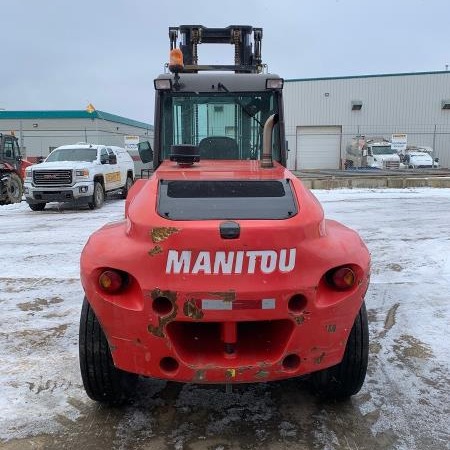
(81, 174)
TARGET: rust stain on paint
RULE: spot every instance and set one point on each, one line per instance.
(156, 250)
(230, 373)
(163, 321)
(190, 309)
(300, 318)
(228, 296)
(160, 234)
(262, 374)
(199, 375)
(319, 359)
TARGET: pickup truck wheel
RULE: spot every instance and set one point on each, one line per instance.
(102, 381)
(127, 187)
(99, 196)
(346, 378)
(37, 206)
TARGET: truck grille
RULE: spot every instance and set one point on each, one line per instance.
(391, 165)
(52, 177)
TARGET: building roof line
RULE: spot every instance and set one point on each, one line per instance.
(73, 114)
(349, 77)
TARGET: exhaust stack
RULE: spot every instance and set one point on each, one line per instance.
(266, 160)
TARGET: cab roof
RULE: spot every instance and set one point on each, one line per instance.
(207, 81)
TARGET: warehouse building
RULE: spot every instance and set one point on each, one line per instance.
(323, 115)
(39, 132)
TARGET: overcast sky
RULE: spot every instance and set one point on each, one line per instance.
(64, 54)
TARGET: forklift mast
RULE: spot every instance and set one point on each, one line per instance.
(246, 58)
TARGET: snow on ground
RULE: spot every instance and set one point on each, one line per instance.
(403, 404)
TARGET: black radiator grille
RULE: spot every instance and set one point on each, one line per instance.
(52, 177)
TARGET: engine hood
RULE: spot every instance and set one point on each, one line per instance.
(64, 165)
(199, 199)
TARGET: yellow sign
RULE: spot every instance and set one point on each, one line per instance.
(90, 108)
(112, 177)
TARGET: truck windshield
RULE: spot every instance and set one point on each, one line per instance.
(73, 154)
(383, 150)
(224, 125)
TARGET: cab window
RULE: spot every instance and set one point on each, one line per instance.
(9, 149)
(112, 157)
(104, 159)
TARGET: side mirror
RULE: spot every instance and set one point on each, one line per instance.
(145, 151)
(112, 159)
(436, 159)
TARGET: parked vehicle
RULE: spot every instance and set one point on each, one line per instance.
(80, 174)
(142, 170)
(224, 269)
(12, 169)
(416, 157)
(376, 153)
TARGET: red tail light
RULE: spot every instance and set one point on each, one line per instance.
(342, 278)
(111, 281)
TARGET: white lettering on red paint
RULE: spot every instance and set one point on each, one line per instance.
(227, 263)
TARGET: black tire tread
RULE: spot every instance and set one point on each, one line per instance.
(7, 199)
(124, 189)
(346, 378)
(93, 204)
(102, 381)
(37, 206)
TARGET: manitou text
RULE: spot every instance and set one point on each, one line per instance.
(231, 262)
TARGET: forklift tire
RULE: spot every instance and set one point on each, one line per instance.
(346, 378)
(14, 189)
(37, 206)
(102, 381)
(127, 187)
(99, 196)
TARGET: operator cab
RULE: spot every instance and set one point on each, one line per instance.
(9, 150)
(221, 113)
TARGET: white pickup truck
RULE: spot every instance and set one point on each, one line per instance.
(416, 157)
(80, 174)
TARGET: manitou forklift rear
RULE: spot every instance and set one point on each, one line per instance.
(224, 269)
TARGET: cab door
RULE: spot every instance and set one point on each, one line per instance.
(112, 176)
(11, 153)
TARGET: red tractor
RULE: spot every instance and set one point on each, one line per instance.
(12, 170)
(224, 269)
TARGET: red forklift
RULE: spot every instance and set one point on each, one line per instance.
(12, 170)
(224, 269)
